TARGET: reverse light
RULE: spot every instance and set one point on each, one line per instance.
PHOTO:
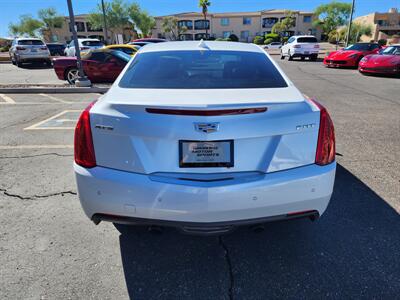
(83, 141)
(326, 137)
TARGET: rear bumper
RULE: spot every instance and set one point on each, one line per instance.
(305, 53)
(124, 197)
(33, 57)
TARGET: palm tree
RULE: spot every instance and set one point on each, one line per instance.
(204, 4)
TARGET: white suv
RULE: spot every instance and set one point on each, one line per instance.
(29, 50)
(84, 45)
(301, 46)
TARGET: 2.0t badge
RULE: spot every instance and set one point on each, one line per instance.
(207, 127)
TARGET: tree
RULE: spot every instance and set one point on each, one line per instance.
(357, 30)
(116, 13)
(332, 15)
(286, 24)
(170, 26)
(204, 4)
(258, 40)
(26, 26)
(50, 19)
(142, 20)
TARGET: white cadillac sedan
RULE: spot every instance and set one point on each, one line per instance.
(204, 137)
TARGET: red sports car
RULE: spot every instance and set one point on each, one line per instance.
(351, 55)
(101, 65)
(386, 62)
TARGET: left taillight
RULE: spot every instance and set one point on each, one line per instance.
(326, 150)
(83, 140)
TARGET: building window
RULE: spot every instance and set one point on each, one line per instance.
(91, 28)
(200, 36)
(244, 35)
(246, 21)
(201, 24)
(225, 22)
(269, 22)
(185, 23)
(383, 22)
(186, 37)
(226, 34)
(80, 26)
(307, 19)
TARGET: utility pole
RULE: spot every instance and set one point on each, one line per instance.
(104, 22)
(82, 80)
(350, 21)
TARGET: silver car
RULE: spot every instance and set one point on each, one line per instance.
(29, 50)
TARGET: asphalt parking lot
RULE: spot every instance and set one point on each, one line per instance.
(50, 250)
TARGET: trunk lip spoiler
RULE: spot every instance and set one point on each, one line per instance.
(206, 113)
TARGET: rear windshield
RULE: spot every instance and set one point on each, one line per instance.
(307, 40)
(92, 43)
(30, 42)
(202, 70)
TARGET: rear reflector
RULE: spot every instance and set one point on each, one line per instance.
(326, 137)
(83, 142)
(219, 112)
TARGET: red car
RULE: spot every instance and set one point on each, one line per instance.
(386, 62)
(101, 65)
(351, 55)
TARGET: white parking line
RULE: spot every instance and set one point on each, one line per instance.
(54, 98)
(7, 99)
(21, 147)
(36, 126)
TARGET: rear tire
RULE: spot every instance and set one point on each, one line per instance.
(303, 58)
(313, 57)
(290, 56)
(282, 56)
(18, 63)
(71, 75)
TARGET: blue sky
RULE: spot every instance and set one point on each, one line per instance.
(11, 9)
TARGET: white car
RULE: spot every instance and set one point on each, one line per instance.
(301, 46)
(29, 50)
(85, 45)
(203, 137)
(273, 45)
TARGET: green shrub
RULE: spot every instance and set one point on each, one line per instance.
(233, 38)
(258, 40)
(285, 39)
(5, 48)
(268, 41)
(273, 36)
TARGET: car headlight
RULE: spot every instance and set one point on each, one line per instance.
(364, 59)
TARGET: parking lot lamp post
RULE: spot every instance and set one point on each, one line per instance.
(350, 21)
(105, 22)
(82, 80)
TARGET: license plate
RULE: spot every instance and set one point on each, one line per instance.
(306, 52)
(204, 154)
(33, 50)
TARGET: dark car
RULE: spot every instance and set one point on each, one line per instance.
(101, 65)
(56, 49)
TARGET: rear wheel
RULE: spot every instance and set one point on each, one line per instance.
(290, 56)
(18, 63)
(303, 58)
(282, 56)
(12, 60)
(71, 75)
(314, 57)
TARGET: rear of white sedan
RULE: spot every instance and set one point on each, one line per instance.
(204, 136)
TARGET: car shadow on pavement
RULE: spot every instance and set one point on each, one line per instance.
(34, 66)
(351, 252)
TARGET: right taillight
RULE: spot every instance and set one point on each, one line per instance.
(326, 138)
(83, 141)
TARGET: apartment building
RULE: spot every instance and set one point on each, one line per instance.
(84, 29)
(245, 25)
(384, 25)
